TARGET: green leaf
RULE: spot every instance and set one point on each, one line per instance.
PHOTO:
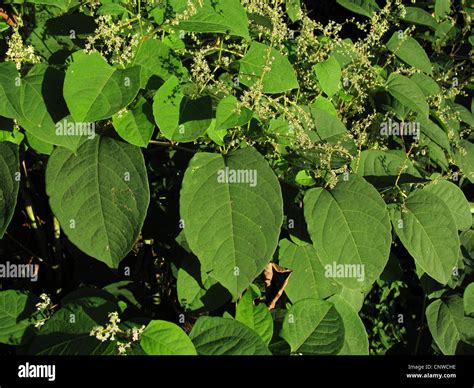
(104, 221)
(442, 8)
(293, 9)
(455, 200)
(324, 104)
(428, 231)
(350, 229)
(356, 341)
(419, 16)
(63, 5)
(427, 84)
(409, 51)
(16, 316)
(67, 332)
(230, 115)
(180, 118)
(156, 59)
(223, 16)
(448, 324)
(219, 228)
(215, 336)
(281, 76)
(383, 163)
(328, 74)
(94, 90)
(468, 300)
(256, 317)
(313, 327)
(9, 183)
(407, 92)
(326, 124)
(163, 338)
(307, 269)
(9, 90)
(135, 125)
(465, 159)
(435, 133)
(361, 7)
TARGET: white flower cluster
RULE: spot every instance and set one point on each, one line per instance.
(18, 52)
(44, 307)
(112, 332)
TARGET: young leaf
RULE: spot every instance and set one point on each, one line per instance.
(135, 125)
(350, 229)
(16, 316)
(256, 317)
(307, 270)
(180, 118)
(408, 93)
(234, 232)
(100, 196)
(293, 9)
(229, 115)
(328, 74)
(214, 336)
(281, 76)
(442, 8)
(163, 338)
(9, 183)
(94, 90)
(428, 231)
(313, 327)
(409, 51)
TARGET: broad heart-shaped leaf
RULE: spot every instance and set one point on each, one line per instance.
(361, 7)
(356, 341)
(468, 300)
(222, 16)
(256, 317)
(100, 196)
(407, 92)
(67, 332)
(215, 336)
(307, 271)
(163, 338)
(16, 316)
(448, 324)
(156, 59)
(409, 51)
(350, 228)
(428, 231)
(329, 75)
(25, 100)
(9, 183)
(234, 232)
(94, 90)
(313, 326)
(135, 125)
(454, 198)
(281, 76)
(229, 115)
(180, 118)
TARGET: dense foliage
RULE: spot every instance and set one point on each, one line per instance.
(236, 177)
